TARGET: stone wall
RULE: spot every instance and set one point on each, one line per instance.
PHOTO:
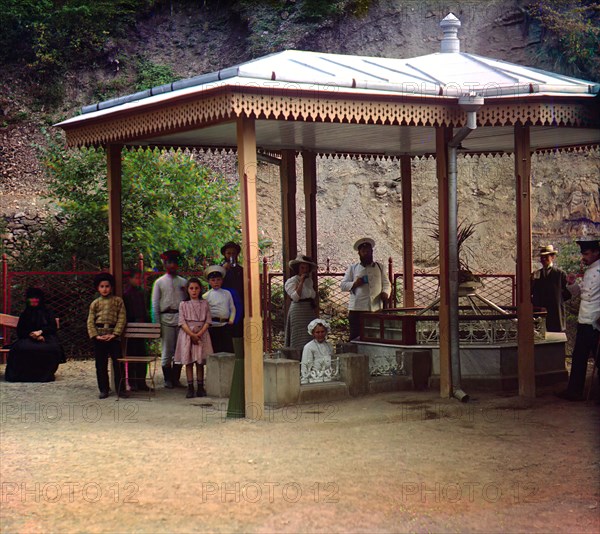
(19, 230)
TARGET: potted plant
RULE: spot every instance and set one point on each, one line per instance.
(468, 283)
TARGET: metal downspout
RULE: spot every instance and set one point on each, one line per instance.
(470, 104)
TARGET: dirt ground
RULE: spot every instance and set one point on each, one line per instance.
(395, 462)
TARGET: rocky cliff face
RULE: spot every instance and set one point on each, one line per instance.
(355, 198)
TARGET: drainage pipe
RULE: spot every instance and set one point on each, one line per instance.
(470, 104)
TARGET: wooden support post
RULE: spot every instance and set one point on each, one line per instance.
(309, 174)
(289, 229)
(525, 341)
(442, 137)
(253, 343)
(309, 170)
(288, 208)
(115, 231)
(408, 269)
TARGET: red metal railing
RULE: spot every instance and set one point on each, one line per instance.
(69, 294)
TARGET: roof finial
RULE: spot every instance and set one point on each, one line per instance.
(450, 42)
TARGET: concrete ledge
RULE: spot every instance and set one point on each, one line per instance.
(354, 372)
(384, 384)
(281, 382)
(324, 392)
(219, 374)
(289, 353)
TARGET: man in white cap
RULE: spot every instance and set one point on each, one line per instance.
(367, 283)
(549, 290)
(588, 320)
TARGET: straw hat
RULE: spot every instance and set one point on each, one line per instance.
(303, 259)
(362, 241)
(548, 250)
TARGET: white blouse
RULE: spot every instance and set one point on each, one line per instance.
(589, 291)
(317, 354)
(307, 288)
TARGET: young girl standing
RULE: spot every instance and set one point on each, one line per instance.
(193, 341)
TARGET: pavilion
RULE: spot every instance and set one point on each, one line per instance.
(316, 104)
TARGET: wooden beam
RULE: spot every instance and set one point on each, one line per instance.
(443, 135)
(288, 207)
(525, 341)
(253, 342)
(115, 230)
(309, 172)
(408, 268)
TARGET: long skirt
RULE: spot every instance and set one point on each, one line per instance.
(296, 333)
(33, 361)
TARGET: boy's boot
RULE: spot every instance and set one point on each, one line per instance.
(167, 375)
(201, 390)
(190, 391)
(176, 374)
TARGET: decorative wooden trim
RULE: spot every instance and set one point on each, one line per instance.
(205, 109)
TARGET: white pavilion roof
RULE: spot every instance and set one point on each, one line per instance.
(438, 78)
(439, 74)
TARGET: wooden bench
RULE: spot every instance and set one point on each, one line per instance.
(139, 331)
(6, 322)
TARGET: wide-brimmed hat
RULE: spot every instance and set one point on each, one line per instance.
(363, 241)
(548, 250)
(214, 269)
(170, 255)
(230, 244)
(588, 243)
(303, 259)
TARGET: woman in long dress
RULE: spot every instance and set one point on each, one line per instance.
(303, 307)
(37, 353)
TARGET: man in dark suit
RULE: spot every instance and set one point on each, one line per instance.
(549, 290)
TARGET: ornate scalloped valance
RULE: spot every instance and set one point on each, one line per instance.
(141, 124)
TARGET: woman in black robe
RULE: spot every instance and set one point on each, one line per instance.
(36, 354)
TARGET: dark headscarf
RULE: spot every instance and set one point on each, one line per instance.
(35, 318)
(35, 293)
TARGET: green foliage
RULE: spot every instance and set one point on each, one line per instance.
(325, 288)
(50, 36)
(169, 201)
(152, 75)
(572, 34)
(569, 259)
